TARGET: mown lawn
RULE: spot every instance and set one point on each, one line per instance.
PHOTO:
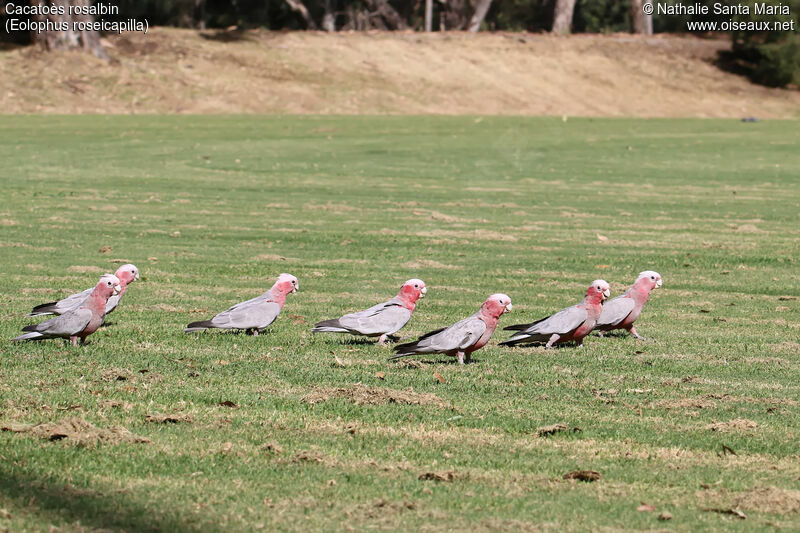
(701, 419)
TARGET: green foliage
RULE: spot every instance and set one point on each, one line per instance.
(212, 208)
(601, 16)
(771, 57)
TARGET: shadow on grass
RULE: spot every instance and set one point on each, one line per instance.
(57, 502)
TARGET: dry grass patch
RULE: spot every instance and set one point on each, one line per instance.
(85, 269)
(428, 263)
(740, 424)
(361, 394)
(685, 403)
(76, 431)
(770, 500)
(167, 418)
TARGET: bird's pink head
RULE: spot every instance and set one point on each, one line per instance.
(598, 291)
(412, 290)
(648, 280)
(497, 304)
(108, 286)
(285, 284)
(127, 274)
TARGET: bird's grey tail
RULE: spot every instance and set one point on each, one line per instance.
(516, 339)
(32, 336)
(527, 338)
(198, 326)
(328, 326)
(404, 350)
(44, 309)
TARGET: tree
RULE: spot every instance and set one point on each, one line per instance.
(328, 19)
(642, 23)
(300, 8)
(428, 15)
(562, 16)
(68, 37)
(392, 18)
(480, 13)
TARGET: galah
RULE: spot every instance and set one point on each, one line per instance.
(126, 274)
(463, 337)
(621, 312)
(380, 320)
(570, 324)
(79, 322)
(253, 315)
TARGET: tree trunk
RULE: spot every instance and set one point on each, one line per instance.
(200, 14)
(428, 16)
(480, 13)
(642, 23)
(298, 7)
(562, 16)
(328, 20)
(388, 14)
(69, 38)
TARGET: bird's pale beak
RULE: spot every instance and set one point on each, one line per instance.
(606, 293)
(136, 276)
(658, 283)
(117, 289)
(509, 307)
(423, 292)
(296, 288)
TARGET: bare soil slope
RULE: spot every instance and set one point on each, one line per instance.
(181, 71)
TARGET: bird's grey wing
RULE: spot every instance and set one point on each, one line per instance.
(113, 302)
(70, 323)
(387, 317)
(254, 313)
(562, 322)
(72, 301)
(459, 336)
(615, 311)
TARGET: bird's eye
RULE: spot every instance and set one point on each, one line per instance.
(294, 282)
(652, 277)
(416, 286)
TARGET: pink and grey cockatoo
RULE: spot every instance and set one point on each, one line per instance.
(79, 322)
(570, 324)
(253, 315)
(621, 312)
(126, 274)
(463, 337)
(380, 320)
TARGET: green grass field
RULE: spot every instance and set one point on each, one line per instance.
(212, 209)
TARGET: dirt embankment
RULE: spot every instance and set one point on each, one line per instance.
(182, 71)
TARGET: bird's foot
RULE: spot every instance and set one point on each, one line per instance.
(460, 358)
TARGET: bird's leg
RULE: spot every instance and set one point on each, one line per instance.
(553, 339)
(382, 339)
(601, 334)
(255, 332)
(468, 359)
(635, 333)
(460, 358)
(74, 340)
